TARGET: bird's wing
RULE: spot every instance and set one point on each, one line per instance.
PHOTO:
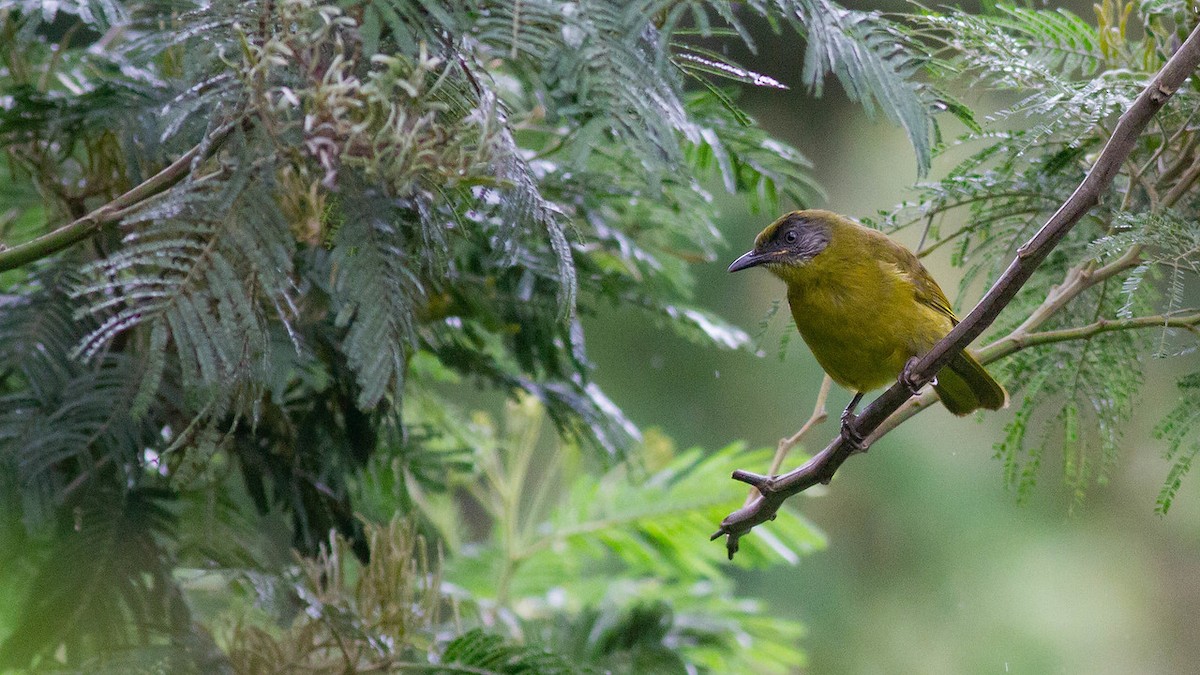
(925, 289)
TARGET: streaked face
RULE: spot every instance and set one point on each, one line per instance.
(794, 239)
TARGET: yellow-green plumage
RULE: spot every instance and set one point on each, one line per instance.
(865, 305)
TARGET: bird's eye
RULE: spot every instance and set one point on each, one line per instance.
(790, 237)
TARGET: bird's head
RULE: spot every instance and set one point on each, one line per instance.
(790, 242)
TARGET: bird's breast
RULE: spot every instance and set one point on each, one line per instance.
(863, 324)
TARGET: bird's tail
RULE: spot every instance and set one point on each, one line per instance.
(965, 386)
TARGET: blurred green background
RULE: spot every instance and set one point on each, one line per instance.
(932, 566)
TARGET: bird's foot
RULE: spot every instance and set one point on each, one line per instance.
(853, 438)
(909, 380)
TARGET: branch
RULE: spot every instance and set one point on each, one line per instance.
(819, 415)
(86, 226)
(820, 469)
(1188, 319)
(1078, 280)
(1185, 183)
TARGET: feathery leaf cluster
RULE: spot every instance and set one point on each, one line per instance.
(394, 198)
(1133, 255)
(382, 196)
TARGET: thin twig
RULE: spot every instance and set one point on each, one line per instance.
(819, 415)
(1078, 280)
(1188, 320)
(820, 469)
(82, 228)
(1012, 343)
(1185, 183)
(1181, 162)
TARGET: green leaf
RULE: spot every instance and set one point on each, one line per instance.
(1179, 429)
(106, 580)
(874, 62)
(477, 651)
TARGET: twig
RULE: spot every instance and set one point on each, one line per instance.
(819, 415)
(1183, 160)
(1187, 319)
(820, 469)
(1185, 182)
(82, 228)
(1012, 343)
(1078, 280)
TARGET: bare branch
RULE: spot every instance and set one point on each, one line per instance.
(1078, 280)
(1188, 319)
(820, 469)
(1186, 181)
(819, 415)
(1012, 343)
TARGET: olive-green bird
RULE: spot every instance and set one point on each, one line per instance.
(866, 306)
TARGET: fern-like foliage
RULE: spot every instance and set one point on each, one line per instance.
(391, 197)
(544, 608)
(1178, 428)
(380, 194)
(479, 651)
(1070, 80)
(536, 562)
(61, 420)
(193, 276)
(872, 59)
(105, 583)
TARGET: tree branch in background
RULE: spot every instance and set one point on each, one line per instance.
(77, 230)
(821, 468)
(1188, 319)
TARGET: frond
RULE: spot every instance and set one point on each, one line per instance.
(197, 268)
(651, 525)
(1033, 46)
(1078, 395)
(608, 70)
(106, 580)
(874, 61)
(83, 425)
(376, 291)
(59, 417)
(635, 628)
(97, 15)
(1179, 428)
(1091, 102)
(1171, 243)
(698, 61)
(477, 650)
(748, 161)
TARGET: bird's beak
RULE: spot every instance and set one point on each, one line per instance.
(748, 259)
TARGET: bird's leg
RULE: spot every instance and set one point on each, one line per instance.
(848, 418)
(908, 380)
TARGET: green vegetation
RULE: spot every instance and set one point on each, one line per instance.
(259, 258)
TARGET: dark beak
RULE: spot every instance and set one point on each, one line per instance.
(748, 259)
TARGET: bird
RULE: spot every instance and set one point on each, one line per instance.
(867, 308)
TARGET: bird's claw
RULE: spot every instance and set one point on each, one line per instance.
(909, 380)
(855, 439)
